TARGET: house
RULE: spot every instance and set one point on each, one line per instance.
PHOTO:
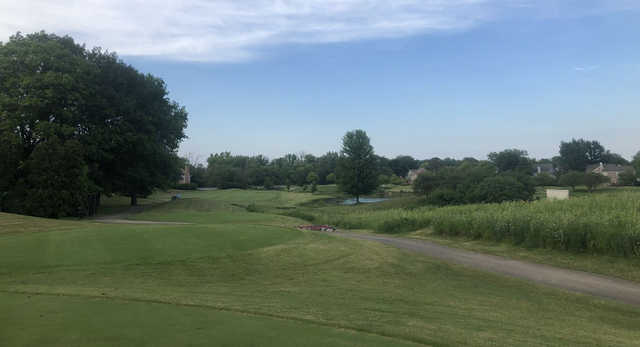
(186, 176)
(612, 171)
(545, 168)
(413, 174)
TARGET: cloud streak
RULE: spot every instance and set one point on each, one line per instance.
(237, 30)
(586, 68)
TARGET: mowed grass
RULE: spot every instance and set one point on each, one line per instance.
(262, 282)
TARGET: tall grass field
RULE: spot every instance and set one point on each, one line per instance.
(600, 223)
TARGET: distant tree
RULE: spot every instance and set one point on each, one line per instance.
(357, 165)
(331, 178)
(614, 158)
(514, 160)
(628, 178)
(383, 166)
(397, 180)
(578, 154)
(501, 188)
(426, 183)
(383, 179)
(636, 163)
(401, 165)
(572, 179)
(593, 180)
(268, 183)
(312, 178)
(325, 165)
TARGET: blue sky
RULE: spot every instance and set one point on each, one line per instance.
(432, 78)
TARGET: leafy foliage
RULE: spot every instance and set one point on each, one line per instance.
(356, 170)
(593, 180)
(512, 160)
(59, 100)
(578, 154)
(572, 179)
(544, 179)
(473, 183)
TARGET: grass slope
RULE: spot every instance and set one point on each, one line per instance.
(223, 281)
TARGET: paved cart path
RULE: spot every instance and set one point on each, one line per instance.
(576, 281)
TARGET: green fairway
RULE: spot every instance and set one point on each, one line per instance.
(236, 277)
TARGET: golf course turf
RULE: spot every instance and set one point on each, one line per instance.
(235, 277)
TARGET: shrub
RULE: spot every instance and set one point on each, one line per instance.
(628, 178)
(544, 179)
(572, 179)
(499, 189)
(445, 196)
(331, 178)
(593, 180)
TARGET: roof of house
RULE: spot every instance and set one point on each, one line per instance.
(609, 167)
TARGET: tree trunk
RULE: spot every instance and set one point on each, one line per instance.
(134, 200)
(357, 199)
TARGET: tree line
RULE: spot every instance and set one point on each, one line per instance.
(225, 170)
(76, 124)
(507, 175)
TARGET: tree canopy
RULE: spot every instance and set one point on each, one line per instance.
(111, 128)
(513, 160)
(576, 155)
(357, 172)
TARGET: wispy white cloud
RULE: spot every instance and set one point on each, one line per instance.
(236, 30)
(586, 68)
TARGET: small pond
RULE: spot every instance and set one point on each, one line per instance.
(363, 201)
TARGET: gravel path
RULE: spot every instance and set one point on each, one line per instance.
(576, 281)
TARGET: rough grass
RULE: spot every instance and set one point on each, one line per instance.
(202, 284)
(597, 224)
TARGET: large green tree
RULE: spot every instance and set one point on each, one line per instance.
(576, 155)
(357, 169)
(56, 97)
(512, 160)
(402, 164)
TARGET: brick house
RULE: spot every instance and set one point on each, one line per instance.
(612, 171)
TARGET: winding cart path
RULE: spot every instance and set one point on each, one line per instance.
(577, 281)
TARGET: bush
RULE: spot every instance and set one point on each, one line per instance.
(593, 180)
(499, 189)
(445, 196)
(544, 179)
(572, 179)
(331, 178)
(384, 179)
(397, 180)
(628, 178)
